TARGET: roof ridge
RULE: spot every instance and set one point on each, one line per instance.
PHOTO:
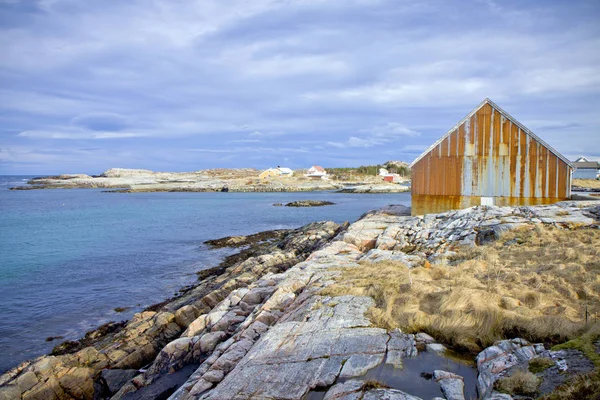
(487, 100)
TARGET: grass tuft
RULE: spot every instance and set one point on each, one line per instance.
(535, 290)
(540, 364)
(521, 382)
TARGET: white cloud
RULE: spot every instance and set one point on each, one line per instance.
(321, 76)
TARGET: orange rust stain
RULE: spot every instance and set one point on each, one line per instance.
(487, 134)
(506, 133)
(429, 204)
(502, 160)
(461, 136)
(562, 180)
(522, 162)
(515, 139)
(533, 162)
(543, 170)
(552, 174)
(497, 123)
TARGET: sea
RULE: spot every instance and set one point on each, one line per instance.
(69, 257)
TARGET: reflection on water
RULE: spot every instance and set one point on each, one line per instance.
(432, 204)
(415, 377)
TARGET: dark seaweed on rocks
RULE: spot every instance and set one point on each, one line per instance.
(240, 241)
(75, 366)
(91, 337)
(309, 203)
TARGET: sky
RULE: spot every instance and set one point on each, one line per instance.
(184, 85)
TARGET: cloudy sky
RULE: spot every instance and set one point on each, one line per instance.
(182, 85)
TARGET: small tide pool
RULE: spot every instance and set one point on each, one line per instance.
(415, 377)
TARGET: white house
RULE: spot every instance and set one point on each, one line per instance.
(285, 171)
(586, 169)
(316, 172)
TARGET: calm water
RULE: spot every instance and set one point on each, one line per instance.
(69, 257)
(410, 379)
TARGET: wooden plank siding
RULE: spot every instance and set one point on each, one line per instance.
(490, 155)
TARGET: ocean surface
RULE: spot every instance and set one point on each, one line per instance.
(69, 257)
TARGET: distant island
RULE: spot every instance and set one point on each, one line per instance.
(391, 177)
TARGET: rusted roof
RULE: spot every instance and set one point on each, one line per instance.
(507, 116)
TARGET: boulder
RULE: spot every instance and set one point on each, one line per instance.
(453, 386)
(210, 340)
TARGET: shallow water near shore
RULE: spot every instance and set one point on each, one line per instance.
(70, 257)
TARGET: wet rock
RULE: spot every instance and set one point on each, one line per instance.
(452, 385)
(388, 394)
(568, 363)
(309, 203)
(349, 390)
(400, 345)
(111, 380)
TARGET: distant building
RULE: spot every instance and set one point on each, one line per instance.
(268, 173)
(285, 171)
(275, 172)
(316, 172)
(488, 158)
(388, 176)
(586, 169)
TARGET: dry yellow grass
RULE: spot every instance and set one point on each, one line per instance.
(519, 383)
(587, 183)
(537, 290)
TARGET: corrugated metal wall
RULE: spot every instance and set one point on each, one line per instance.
(490, 156)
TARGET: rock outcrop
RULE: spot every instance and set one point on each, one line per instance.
(376, 188)
(309, 203)
(509, 356)
(263, 329)
(71, 373)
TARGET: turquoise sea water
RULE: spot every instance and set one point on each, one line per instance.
(69, 257)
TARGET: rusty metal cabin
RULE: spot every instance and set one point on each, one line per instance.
(488, 158)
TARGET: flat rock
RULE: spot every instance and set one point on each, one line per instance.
(360, 364)
(388, 394)
(349, 390)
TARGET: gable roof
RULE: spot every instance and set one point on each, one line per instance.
(587, 165)
(505, 115)
(317, 168)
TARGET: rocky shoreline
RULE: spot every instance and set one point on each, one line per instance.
(262, 326)
(119, 180)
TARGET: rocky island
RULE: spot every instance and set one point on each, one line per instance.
(214, 180)
(488, 302)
